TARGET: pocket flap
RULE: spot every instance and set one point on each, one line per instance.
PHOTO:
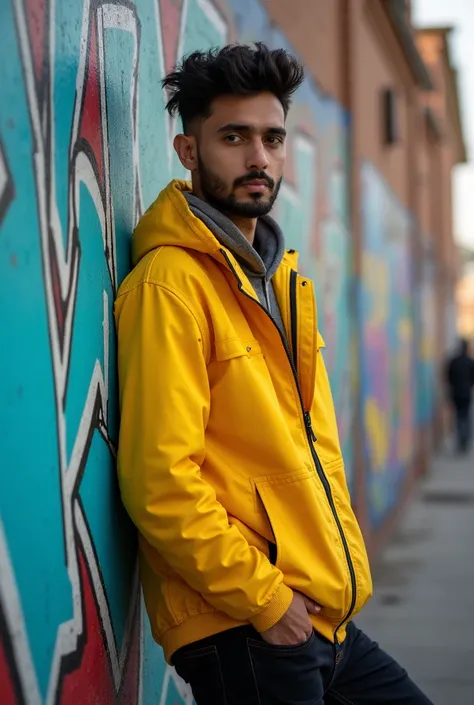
(235, 347)
(320, 341)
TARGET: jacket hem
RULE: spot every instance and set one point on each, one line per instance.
(205, 625)
(194, 629)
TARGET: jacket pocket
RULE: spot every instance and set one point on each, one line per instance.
(309, 547)
(235, 347)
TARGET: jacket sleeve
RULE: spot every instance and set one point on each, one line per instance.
(165, 405)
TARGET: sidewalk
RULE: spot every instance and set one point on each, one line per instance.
(422, 611)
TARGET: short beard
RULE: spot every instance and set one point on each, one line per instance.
(213, 188)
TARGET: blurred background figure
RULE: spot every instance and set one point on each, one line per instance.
(460, 381)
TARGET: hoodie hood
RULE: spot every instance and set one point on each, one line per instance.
(169, 221)
(263, 258)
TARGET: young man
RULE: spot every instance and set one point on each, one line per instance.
(252, 562)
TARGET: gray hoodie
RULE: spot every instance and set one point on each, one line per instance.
(259, 262)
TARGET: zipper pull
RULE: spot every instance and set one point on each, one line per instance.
(309, 426)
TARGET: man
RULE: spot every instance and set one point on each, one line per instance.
(252, 562)
(460, 379)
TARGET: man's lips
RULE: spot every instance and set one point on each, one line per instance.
(256, 185)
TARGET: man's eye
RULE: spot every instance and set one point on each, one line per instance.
(233, 138)
(273, 140)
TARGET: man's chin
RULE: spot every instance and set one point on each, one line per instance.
(252, 207)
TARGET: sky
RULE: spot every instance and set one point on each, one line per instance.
(460, 15)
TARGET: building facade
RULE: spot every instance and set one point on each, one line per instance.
(85, 146)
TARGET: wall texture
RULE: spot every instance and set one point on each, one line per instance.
(85, 146)
(387, 355)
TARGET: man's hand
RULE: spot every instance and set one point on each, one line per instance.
(294, 627)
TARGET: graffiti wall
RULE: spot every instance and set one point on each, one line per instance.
(85, 146)
(387, 359)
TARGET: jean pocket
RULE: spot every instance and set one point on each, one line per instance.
(281, 648)
(288, 674)
(201, 669)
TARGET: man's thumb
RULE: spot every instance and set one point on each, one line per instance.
(311, 606)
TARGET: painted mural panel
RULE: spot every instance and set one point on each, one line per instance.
(387, 342)
(85, 146)
(426, 314)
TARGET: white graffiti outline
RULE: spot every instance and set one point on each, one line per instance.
(16, 625)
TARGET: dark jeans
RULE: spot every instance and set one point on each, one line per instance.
(238, 668)
(463, 423)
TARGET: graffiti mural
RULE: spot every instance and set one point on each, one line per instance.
(85, 146)
(387, 342)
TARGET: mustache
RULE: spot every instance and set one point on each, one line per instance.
(242, 180)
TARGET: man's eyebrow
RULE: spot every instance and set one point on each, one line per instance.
(236, 127)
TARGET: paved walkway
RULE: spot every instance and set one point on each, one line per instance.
(422, 611)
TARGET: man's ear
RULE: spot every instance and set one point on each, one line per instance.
(186, 149)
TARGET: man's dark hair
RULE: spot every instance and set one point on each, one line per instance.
(238, 69)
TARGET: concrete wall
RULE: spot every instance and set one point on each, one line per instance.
(85, 146)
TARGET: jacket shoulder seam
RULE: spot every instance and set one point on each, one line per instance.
(146, 276)
(184, 302)
(166, 287)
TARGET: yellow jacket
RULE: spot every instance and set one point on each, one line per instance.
(236, 501)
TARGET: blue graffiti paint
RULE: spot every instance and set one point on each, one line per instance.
(29, 483)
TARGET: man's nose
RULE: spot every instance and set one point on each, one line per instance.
(257, 157)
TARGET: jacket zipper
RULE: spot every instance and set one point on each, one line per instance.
(294, 323)
(312, 439)
(307, 421)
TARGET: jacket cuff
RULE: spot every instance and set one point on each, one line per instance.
(274, 611)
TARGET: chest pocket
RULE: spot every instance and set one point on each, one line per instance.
(235, 347)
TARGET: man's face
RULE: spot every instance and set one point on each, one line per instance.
(241, 151)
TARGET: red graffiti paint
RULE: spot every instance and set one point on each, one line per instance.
(91, 682)
(90, 128)
(7, 680)
(36, 17)
(170, 11)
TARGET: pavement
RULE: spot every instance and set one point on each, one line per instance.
(422, 611)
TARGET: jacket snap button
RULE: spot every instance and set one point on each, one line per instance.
(249, 349)
(303, 283)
